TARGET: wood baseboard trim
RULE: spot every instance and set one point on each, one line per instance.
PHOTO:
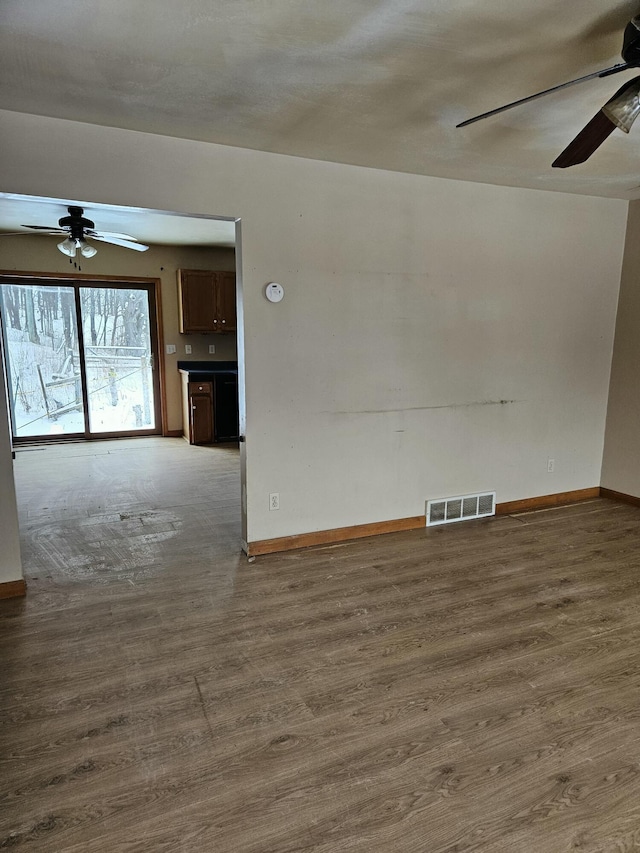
(13, 589)
(547, 501)
(359, 531)
(173, 433)
(338, 534)
(619, 496)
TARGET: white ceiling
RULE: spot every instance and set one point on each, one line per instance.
(378, 83)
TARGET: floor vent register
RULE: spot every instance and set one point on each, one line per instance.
(462, 508)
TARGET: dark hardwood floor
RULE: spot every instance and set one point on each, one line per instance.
(468, 688)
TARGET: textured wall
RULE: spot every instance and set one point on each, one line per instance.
(436, 337)
(621, 460)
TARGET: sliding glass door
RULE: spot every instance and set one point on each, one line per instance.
(118, 359)
(80, 359)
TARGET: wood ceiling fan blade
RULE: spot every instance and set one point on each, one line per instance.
(620, 111)
(606, 72)
(116, 241)
(586, 142)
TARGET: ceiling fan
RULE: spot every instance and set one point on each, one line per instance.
(620, 111)
(77, 228)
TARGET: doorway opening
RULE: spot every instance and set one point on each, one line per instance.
(178, 241)
(81, 358)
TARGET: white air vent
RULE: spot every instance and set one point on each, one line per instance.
(464, 508)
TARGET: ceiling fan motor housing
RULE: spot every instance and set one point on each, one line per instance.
(76, 222)
(631, 43)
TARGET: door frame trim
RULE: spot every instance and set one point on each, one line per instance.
(6, 276)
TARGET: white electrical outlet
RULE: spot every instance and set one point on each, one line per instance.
(187, 349)
(170, 349)
(212, 349)
(551, 465)
(274, 500)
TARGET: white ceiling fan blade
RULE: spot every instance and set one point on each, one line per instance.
(27, 233)
(46, 228)
(91, 232)
(116, 241)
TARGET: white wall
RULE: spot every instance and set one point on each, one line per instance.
(436, 337)
(621, 460)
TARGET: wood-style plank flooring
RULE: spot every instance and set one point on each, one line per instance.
(467, 688)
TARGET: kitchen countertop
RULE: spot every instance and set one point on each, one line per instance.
(203, 369)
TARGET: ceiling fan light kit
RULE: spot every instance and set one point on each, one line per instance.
(620, 111)
(86, 250)
(70, 246)
(623, 109)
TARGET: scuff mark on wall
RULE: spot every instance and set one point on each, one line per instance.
(428, 408)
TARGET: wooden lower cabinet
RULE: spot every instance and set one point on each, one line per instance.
(210, 405)
(199, 412)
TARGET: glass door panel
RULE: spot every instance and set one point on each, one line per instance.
(43, 361)
(116, 333)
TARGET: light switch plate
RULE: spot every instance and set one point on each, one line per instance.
(170, 349)
(187, 349)
(212, 349)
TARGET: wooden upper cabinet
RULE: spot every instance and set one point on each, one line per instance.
(206, 301)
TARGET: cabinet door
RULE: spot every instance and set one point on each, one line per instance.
(197, 301)
(201, 418)
(226, 301)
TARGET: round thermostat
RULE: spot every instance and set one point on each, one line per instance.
(274, 292)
